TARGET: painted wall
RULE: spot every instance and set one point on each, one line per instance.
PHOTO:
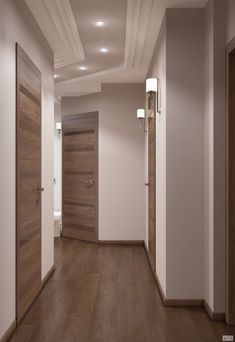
(215, 47)
(208, 140)
(231, 21)
(158, 69)
(184, 153)
(121, 158)
(178, 63)
(57, 159)
(192, 151)
(17, 25)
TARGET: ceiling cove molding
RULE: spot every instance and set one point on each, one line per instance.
(141, 19)
(56, 20)
(90, 76)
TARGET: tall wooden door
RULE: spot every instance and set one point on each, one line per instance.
(152, 189)
(230, 307)
(80, 177)
(28, 182)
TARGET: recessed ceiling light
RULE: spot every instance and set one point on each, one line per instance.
(104, 50)
(56, 76)
(99, 23)
(82, 68)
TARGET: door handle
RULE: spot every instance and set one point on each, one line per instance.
(90, 182)
(40, 189)
(146, 184)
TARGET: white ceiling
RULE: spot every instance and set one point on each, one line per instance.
(129, 34)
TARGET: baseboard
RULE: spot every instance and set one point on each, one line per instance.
(47, 276)
(111, 242)
(160, 290)
(215, 316)
(9, 332)
(121, 242)
(184, 302)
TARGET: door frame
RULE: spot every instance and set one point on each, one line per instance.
(96, 114)
(20, 52)
(229, 262)
(151, 108)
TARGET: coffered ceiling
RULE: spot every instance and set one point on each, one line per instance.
(101, 41)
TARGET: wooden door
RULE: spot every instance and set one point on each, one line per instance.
(80, 181)
(230, 314)
(152, 189)
(28, 182)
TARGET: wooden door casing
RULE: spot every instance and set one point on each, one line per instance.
(230, 309)
(152, 190)
(28, 183)
(80, 177)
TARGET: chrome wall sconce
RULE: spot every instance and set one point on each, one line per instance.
(153, 102)
(58, 128)
(141, 117)
(152, 89)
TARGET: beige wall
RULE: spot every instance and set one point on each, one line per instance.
(215, 47)
(184, 153)
(231, 21)
(178, 63)
(208, 139)
(17, 25)
(190, 148)
(121, 158)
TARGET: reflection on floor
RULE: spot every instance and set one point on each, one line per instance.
(108, 294)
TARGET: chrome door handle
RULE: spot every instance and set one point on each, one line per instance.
(90, 182)
(40, 189)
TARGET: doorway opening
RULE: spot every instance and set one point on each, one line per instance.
(57, 168)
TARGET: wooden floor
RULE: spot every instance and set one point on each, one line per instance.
(108, 294)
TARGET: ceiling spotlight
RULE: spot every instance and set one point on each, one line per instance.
(56, 76)
(99, 23)
(82, 68)
(104, 50)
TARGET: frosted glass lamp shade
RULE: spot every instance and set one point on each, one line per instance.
(151, 85)
(58, 126)
(140, 113)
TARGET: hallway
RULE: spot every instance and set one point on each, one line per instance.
(97, 294)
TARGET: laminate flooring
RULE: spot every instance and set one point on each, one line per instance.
(107, 293)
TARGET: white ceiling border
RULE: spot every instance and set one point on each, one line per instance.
(56, 20)
(141, 18)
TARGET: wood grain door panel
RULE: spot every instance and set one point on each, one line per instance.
(28, 183)
(231, 196)
(152, 191)
(80, 167)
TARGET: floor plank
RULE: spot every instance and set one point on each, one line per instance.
(102, 293)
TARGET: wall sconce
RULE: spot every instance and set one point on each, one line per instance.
(58, 128)
(152, 85)
(141, 117)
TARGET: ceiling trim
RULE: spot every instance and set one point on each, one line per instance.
(57, 22)
(141, 17)
(141, 35)
(91, 76)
